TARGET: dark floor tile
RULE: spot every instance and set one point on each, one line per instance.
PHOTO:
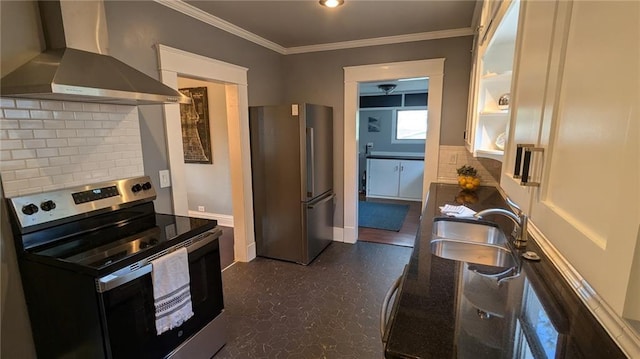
(328, 309)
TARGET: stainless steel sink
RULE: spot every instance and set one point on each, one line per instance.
(468, 230)
(472, 252)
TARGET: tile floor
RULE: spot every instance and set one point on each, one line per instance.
(328, 309)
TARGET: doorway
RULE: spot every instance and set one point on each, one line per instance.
(432, 69)
(174, 63)
(393, 117)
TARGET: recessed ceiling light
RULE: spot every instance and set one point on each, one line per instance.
(331, 3)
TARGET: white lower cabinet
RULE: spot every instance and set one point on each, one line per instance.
(575, 102)
(395, 179)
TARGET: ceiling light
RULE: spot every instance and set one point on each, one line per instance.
(387, 88)
(331, 3)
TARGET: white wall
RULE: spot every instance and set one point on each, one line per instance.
(209, 185)
(48, 145)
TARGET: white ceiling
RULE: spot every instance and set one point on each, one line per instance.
(297, 23)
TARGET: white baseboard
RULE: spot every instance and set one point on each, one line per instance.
(349, 235)
(224, 220)
(338, 234)
(621, 331)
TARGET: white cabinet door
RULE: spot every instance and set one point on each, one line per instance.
(383, 177)
(532, 67)
(411, 173)
(588, 202)
(576, 97)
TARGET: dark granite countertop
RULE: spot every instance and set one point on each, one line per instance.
(396, 157)
(445, 310)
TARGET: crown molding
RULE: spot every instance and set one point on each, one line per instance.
(386, 40)
(194, 12)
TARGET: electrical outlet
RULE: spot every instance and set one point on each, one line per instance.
(165, 179)
(453, 159)
(200, 208)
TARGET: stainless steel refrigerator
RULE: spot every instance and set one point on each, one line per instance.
(292, 171)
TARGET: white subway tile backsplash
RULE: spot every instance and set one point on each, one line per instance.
(39, 114)
(37, 162)
(50, 171)
(10, 144)
(82, 116)
(78, 141)
(59, 161)
(66, 133)
(47, 152)
(44, 134)
(53, 124)
(12, 165)
(23, 154)
(91, 107)
(105, 107)
(28, 173)
(16, 114)
(23, 103)
(34, 143)
(48, 145)
(57, 142)
(11, 188)
(68, 151)
(99, 116)
(9, 124)
(51, 105)
(72, 106)
(63, 115)
(92, 124)
(40, 181)
(86, 133)
(20, 134)
(31, 124)
(7, 102)
(74, 124)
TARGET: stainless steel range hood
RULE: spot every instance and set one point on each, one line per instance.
(75, 65)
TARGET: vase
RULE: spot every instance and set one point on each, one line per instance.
(469, 183)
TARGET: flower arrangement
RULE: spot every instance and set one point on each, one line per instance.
(468, 178)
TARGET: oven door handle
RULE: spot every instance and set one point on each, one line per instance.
(115, 280)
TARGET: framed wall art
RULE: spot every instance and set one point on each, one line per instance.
(196, 132)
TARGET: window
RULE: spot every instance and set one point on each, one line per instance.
(410, 126)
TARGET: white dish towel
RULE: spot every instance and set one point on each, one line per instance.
(171, 290)
(457, 211)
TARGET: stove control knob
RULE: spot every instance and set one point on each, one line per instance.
(29, 209)
(146, 186)
(136, 188)
(144, 245)
(48, 205)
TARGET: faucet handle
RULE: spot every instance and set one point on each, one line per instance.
(514, 205)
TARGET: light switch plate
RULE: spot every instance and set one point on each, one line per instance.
(165, 179)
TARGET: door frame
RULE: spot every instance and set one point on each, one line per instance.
(173, 63)
(431, 68)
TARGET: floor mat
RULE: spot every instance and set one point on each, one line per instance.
(386, 216)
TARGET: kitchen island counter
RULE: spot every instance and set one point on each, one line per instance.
(444, 309)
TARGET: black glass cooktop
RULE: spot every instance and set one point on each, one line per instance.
(121, 240)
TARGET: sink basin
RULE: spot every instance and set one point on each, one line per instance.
(468, 230)
(472, 252)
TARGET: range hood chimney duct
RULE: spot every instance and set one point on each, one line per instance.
(75, 65)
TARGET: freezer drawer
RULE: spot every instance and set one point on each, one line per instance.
(318, 226)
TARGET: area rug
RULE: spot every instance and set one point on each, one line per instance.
(387, 216)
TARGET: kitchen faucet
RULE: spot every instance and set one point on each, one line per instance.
(519, 218)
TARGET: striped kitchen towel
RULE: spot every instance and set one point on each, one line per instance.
(171, 290)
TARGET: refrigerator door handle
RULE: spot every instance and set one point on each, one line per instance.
(311, 174)
(328, 198)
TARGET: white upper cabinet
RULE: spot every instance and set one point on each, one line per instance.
(489, 95)
(575, 101)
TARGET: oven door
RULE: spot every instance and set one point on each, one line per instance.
(129, 313)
